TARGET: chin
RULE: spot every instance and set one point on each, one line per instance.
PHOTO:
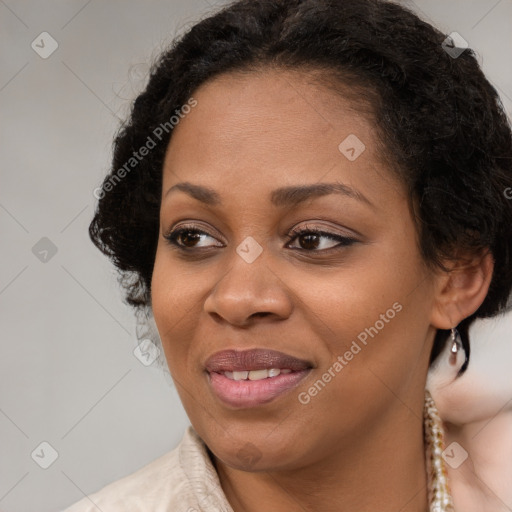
(255, 451)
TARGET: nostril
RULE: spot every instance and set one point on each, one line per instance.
(264, 313)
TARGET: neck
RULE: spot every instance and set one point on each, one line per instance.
(382, 468)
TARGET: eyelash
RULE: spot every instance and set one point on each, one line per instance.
(343, 241)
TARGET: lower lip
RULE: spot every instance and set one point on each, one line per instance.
(250, 393)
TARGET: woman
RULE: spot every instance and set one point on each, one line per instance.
(309, 198)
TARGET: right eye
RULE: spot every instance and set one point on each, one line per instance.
(188, 237)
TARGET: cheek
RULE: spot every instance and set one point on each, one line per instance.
(361, 318)
(375, 315)
(176, 304)
(356, 296)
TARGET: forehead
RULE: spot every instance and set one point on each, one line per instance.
(263, 129)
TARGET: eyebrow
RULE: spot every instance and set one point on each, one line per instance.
(280, 197)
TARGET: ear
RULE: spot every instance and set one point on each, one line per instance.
(461, 290)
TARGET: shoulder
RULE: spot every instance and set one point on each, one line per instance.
(165, 484)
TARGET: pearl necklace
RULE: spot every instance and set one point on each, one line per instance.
(439, 496)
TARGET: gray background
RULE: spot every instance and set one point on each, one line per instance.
(68, 375)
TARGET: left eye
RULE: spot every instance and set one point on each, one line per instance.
(311, 240)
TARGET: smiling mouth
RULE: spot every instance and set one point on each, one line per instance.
(250, 378)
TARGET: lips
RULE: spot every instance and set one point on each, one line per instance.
(255, 359)
(252, 378)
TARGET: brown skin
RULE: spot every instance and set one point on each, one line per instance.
(358, 444)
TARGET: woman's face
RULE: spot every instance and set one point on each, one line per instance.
(350, 307)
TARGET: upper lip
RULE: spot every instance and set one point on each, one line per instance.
(255, 359)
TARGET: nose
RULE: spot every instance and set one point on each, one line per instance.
(248, 293)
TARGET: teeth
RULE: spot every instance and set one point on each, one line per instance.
(255, 374)
(258, 374)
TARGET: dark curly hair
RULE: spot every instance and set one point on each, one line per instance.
(439, 121)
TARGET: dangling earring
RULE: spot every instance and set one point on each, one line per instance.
(456, 345)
